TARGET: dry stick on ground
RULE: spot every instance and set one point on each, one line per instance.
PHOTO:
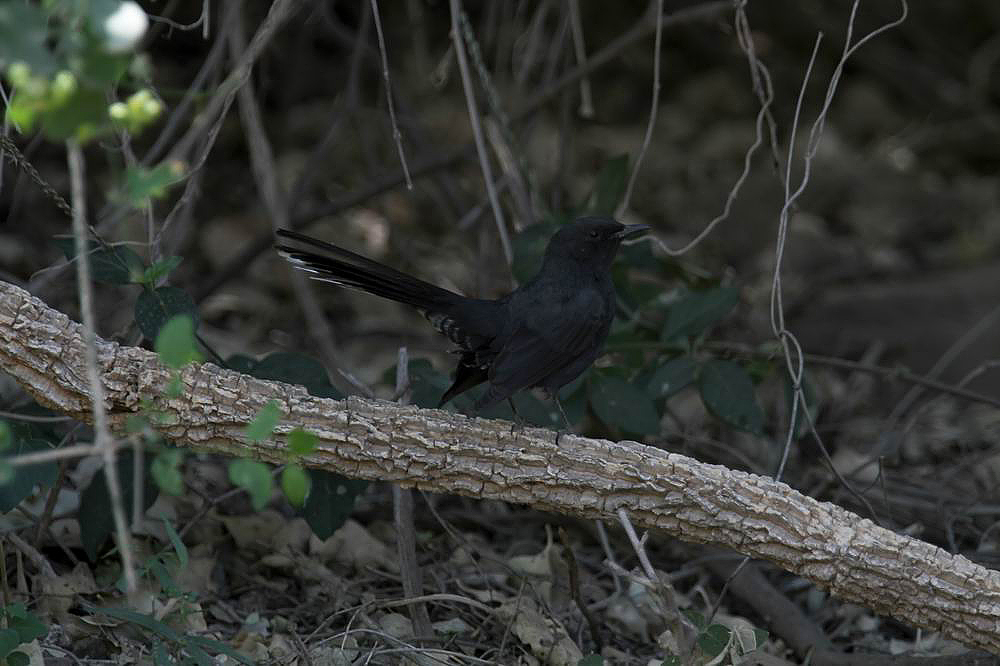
(907, 579)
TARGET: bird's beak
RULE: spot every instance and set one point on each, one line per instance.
(632, 230)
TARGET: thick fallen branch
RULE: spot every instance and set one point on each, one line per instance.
(854, 559)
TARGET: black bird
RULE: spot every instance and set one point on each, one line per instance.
(543, 334)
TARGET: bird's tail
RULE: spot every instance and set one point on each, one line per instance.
(335, 264)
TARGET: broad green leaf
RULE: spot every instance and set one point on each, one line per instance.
(330, 501)
(18, 658)
(618, 403)
(175, 343)
(94, 516)
(301, 442)
(698, 310)
(5, 436)
(760, 637)
(159, 270)
(610, 186)
(295, 368)
(155, 307)
(696, 618)
(27, 625)
(672, 376)
(671, 660)
(714, 640)
(23, 37)
(82, 115)
(255, 478)
(114, 264)
(22, 480)
(728, 392)
(9, 640)
(295, 484)
(263, 424)
(142, 184)
(591, 660)
(166, 472)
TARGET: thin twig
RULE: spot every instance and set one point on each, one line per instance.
(237, 265)
(477, 130)
(104, 443)
(576, 24)
(396, 135)
(654, 106)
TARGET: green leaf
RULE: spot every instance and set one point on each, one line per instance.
(696, 618)
(159, 270)
(695, 312)
(591, 660)
(22, 480)
(114, 264)
(166, 473)
(155, 307)
(671, 660)
(83, 114)
(255, 478)
(158, 569)
(294, 368)
(27, 625)
(143, 184)
(96, 522)
(5, 436)
(295, 484)
(177, 543)
(263, 424)
(24, 32)
(330, 501)
(147, 622)
(9, 640)
(18, 658)
(610, 186)
(620, 404)
(714, 640)
(728, 392)
(760, 637)
(175, 343)
(672, 376)
(301, 442)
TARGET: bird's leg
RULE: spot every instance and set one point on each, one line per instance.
(518, 421)
(555, 398)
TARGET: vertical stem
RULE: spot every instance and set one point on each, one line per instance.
(102, 434)
(477, 130)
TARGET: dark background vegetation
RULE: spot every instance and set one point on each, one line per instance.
(891, 260)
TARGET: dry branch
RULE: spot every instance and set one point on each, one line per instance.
(854, 559)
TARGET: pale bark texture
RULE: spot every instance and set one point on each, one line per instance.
(854, 559)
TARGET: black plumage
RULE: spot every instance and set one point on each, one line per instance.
(543, 334)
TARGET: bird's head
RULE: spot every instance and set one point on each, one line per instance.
(590, 241)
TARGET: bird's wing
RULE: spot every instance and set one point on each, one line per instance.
(546, 342)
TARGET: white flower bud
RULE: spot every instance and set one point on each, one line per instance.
(125, 27)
